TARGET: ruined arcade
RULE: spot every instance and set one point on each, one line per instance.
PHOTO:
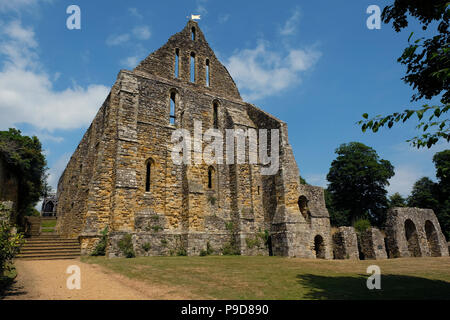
(122, 177)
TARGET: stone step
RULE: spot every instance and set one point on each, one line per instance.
(47, 256)
(49, 252)
(51, 248)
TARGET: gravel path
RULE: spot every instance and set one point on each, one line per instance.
(46, 279)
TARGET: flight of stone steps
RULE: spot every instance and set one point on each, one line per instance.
(48, 247)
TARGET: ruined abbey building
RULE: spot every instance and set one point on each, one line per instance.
(122, 177)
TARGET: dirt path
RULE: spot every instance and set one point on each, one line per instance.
(46, 279)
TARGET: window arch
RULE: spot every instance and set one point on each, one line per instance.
(211, 174)
(192, 67)
(193, 33)
(149, 166)
(172, 107)
(207, 72)
(303, 206)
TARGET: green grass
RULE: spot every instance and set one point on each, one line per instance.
(48, 223)
(241, 277)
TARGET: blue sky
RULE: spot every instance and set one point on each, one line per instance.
(314, 64)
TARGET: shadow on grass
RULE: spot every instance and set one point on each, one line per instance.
(9, 288)
(392, 287)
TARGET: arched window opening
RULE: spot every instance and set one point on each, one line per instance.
(148, 174)
(432, 239)
(177, 62)
(207, 72)
(192, 65)
(319, 247)
(193, 34)
(412, 239)
(303, 206)
(215, 115)
(210, 178)
(173, 99)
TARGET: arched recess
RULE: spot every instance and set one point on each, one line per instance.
(303, 207)
(215, 114)
(48, 209)
(432, 239)
(149, 173)
(412, 239)
(319, 247)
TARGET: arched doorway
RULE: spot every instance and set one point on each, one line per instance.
(412, 239)
(48, 209)
(319, 247)
(432, 238)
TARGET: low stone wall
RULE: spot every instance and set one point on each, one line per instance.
(345, 244)
(371, 244)
(6, 208)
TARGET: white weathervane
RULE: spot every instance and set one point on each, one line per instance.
(194, 17)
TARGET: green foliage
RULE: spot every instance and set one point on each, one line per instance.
(361, 225)
(146, 247)
(338, 218)
(302, 180)
(396, 200)
(126, 246)
(428, 70)
(212, 199)
(32, 211)
(436, 196)
(157, 228)
(231, 247)
(23, 156)
(9, 245)
(209, 250)
(358, 179)
(100, 248)
(252, 242)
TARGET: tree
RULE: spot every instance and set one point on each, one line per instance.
(442, 163)
(23, 157)
(396, 200)
(428, 70)
(337, 218)
(423, 194)
(357, 182)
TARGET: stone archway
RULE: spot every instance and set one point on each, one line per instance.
(432, 239)
(319, 247)
(48, 209)
(412, 239)
(303, 207)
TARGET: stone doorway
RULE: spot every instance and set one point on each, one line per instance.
(412, 239)
(319, 247)
(432, 239)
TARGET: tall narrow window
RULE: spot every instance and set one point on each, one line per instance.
(177, 62)
(192, 67)
(210, 177)
(207, 72)
(173, 98)
(193, 34)
(148, 175)
(215, 115)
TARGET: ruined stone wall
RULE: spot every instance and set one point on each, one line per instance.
(371, 244)
(414, 232)
(9, 185)
(345, 244)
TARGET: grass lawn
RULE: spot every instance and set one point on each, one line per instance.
(48, 225)
(240, 277)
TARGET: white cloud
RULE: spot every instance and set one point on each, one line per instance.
(404, 179)
(142, 32)
(115, 40)
(290, 26)
(17, 5)
(57, 169)
(201, 7)
(27, 94)
(224, 18)
(135, 13)
(260, 72)
(130, 62)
